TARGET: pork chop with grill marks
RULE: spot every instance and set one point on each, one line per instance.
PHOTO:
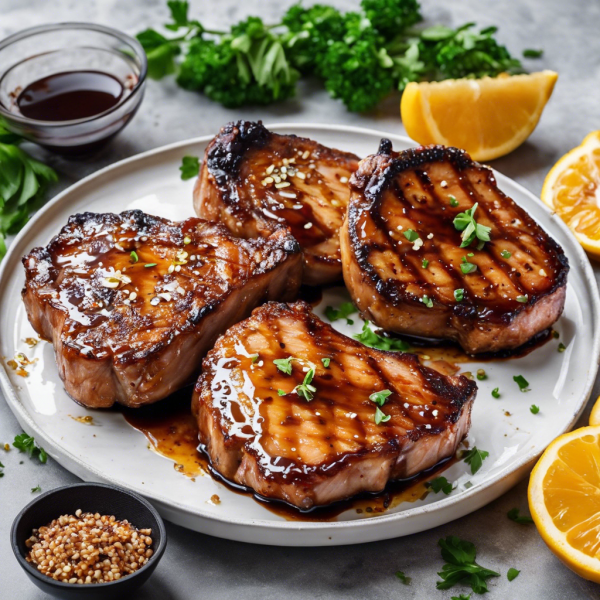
(255, 181)
(309, 446)
(406, 271)
(133, 302)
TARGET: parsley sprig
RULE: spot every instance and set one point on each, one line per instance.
(461, 567)
(440, 484)
(369, 338)
(26, 443)
(475, 458)
(513, 515)
(190, 167)
(471, 229)
(343, 312)
(305, 389)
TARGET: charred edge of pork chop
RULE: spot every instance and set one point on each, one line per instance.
(102, 369)
(367, 469)
(498, 329)
(220, 195)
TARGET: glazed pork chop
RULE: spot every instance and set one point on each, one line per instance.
(269, 422)
(406, 270)
(255, 181)
(133, 302)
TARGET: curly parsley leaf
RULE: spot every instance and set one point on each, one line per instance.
(475, 458)
(190, 166)
(26, 443)
(461, 567)
(345, 310)
(513, 515)
(440, 484)
(369, 338)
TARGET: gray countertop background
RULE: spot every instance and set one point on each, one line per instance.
(199, 566)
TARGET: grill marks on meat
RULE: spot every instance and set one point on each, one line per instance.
(133, 333)
(243, 184)
(317, 452)
(393, 192)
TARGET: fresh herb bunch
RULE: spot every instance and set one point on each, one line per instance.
(359, 56)
(23, 181)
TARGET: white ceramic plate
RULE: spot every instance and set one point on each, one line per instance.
(112, 451)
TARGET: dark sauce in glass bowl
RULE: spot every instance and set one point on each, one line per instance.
(70, 95)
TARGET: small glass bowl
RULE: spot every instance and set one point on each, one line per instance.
(38, 52)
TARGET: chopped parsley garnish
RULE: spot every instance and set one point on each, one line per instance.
(470, 228)
(326, 362)
(461, 567)
(461, 597)
(411, 235)
(523, 299)
(133, 257)
(1, 470)
(281, 392)
(254, 358)
(459, 294)
(381, 417)
(513, 515)
(453, 201)
(561, 347)
(440, 484)
(531, 53)
(403, 578)
(190, 166)
(521, 382)
(512, 574)
(534, 409)
(37, 488)
(555, 334)
(369, 338)
(346, 309)
(305, 389)
(475, 458)
(284, 364)
(466, 267)
(148, 265)
(425, 263)
(427, 301)
(505, 254)
(25, 443)
(380, 398)
(496, 393)
(481, 375)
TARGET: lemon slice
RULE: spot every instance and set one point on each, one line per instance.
(488, 117)
(572, 190)
(595, 414)
(564, 500)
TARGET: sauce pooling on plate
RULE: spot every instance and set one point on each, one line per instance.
(70, 95)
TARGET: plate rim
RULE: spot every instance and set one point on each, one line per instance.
(63, 456)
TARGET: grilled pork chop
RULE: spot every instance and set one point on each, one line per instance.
(323, 444)
(255, 181)
(488, 299)
(133, 302)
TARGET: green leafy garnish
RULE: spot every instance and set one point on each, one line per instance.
(534, 409)
(505, 254)
(381, 417)
(37, 488)
(453, 202)
(23, 183)
(475, 458)
(148, 265)
(345, 309)
(326, 362)
(461, 567)
(512, 574)
(440, 484)
(470, 228)
(461, 597)
(523, 299)
(513, 515)
(26, 443)
(403, 578)
(425, 263)
(380, 398)
(466, 267)
(427, 301)
(284, 364)
(305, 389)
(1, 470)
(459, 294)
(281, 392)
(531, 53)
(253, 358)
(496, 393)
(133, 257)
(521, 382)
(369, 338)
(411, 235)
(190, 166)
(561, 347)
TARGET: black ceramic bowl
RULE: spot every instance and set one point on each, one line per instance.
(89, 497)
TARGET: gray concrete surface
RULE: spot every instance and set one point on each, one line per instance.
(198, 566)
